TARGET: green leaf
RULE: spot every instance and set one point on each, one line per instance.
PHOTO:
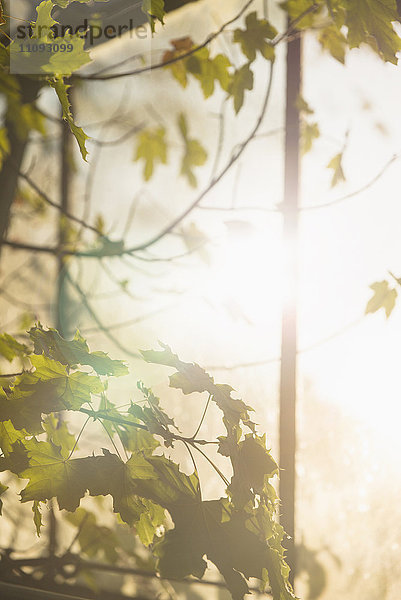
(310, 132)
(252, 463)
(190, 378)
(383, 297)
(74, 352)
(371, 21)
(52, 476)
(152, 148)
(336, 164)
(61, 89)
(253, 38)
(4, 146)
(58, 434)
(37, 517)
(153, 517)
(194, 153)
(73, 389)
(332, 40)
(133, 439)
(95, 541)
(210, 529)
(9, 436)
(242, 80)
(303, 107)
(209, 70)
(199, 64)
(54, 62)
(106, 247)
(10, 348)
(181, 46)
(48, 389)
(297, 8)
(156, 420)
(154, 10)
(131, 482)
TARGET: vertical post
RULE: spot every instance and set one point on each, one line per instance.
(289, 318)
(9, 174)
(65, 183)
(61, 325)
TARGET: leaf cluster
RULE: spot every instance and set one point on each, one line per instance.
(237, 532)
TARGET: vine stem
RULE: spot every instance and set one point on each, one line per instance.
(187, 446)
(98, 415)
(190, 441)
(9, 375)
(203, 416)
(211, 463)
(161, 65)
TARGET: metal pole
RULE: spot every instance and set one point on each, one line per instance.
(289, 318)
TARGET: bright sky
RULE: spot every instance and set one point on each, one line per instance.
(344, 248)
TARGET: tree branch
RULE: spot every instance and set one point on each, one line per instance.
(171, 61)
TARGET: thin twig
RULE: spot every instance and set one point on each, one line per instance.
(171, 61)
(362, 189)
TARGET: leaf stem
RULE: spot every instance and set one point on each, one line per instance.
(203, 416)
(78, 438)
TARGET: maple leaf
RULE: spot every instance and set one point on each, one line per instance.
(310, 132)
(52, 62)
(337, 166)
(154, 10)
(124, 482)
(58, 434)
(181, 46)
(61, 89)
(296, 8)
(199, 64)
(242, 80)
(209, 70)
(48, 389)
(194, 153)
(10, 348)
(95, 540)
(210, 529)
(253, 38)
(37, 517)
(252, 463)
(335, 42)
(303, 107)
(9, 436)
(153, 517)
(151, 148)
(76, 351)
(156, 420)
(190, 378)
(72, 389)
(371, 21)
(383, 297)
(52, 476)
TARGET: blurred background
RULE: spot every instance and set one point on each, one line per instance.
(213, 290)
